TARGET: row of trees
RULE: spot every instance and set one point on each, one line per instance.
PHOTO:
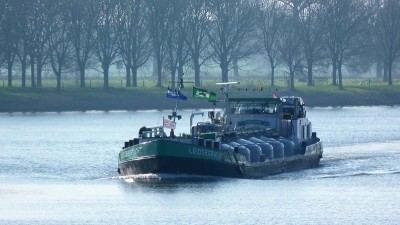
(295, 34)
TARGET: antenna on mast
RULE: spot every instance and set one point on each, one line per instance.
(227, 87)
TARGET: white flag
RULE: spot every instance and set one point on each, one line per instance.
(169, 124)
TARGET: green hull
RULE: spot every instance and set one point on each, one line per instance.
(180, 156)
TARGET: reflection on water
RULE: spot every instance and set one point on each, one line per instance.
(167, 178)
(169, 183)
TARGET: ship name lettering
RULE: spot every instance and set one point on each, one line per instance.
(205, 152)
(131, 152)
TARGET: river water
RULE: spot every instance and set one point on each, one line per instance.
(60, 168)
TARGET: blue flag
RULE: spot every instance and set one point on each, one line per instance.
(175, 94)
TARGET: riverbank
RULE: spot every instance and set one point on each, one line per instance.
(43, 100)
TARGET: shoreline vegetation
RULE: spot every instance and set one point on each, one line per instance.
(153, 98)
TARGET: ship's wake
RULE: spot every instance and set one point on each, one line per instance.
(373, 159)
(359, 173)
(164, 177)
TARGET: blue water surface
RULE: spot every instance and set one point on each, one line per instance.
(60, 168)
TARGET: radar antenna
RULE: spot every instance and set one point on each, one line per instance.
(227, 87)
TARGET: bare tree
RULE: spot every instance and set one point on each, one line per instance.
(27, 26)
(106, 48)
(387, 32)
(231, 32)
(269, 23)
(9, 36)
(198, 24)
(82, 24)
(2, 18)
(24, 43)
(176, 45)
(133, 37)
(345, 25)
(59, 41)
(309, 27)
(40, 19)
(157, 29)
(311, 32)
(290, 47)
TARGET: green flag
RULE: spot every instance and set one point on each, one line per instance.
(212, 97)
(204, 94)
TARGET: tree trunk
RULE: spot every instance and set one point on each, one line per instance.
(9, 69)
(224, 74)
(271, 63)
(58, 74)
(309, 73)
(23, 73)
(59, 86)
(33, 80)
(159, 72)
(105, 70)
(39, 74)
(134, 69)
(340, 75)
(173, 73)
(292, 80)
(196, 72)
(155, 66)
(134, 76)
(224, 70)
(82, 76)
(180, 70)
(236, 69)
(389, 74)
(334, 69)
(39, 71)
(128, 74)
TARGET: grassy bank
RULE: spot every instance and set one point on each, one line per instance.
(142, 98)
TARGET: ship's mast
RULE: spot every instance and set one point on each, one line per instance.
(226, 90)
(174, 112)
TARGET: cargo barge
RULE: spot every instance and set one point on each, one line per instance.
(252, 138)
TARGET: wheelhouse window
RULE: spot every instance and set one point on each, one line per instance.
(254, 108)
